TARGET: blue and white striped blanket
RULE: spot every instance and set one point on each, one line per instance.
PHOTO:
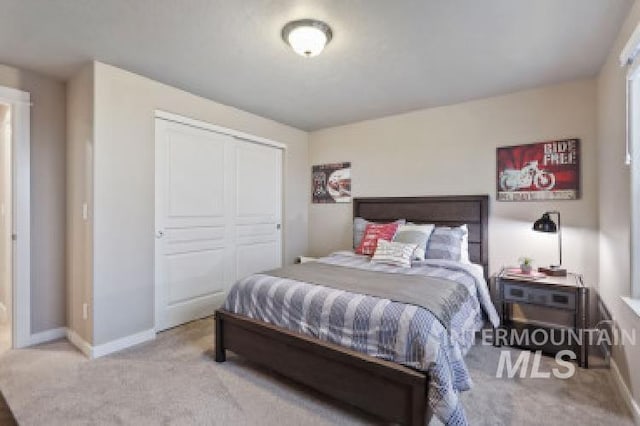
(398, 332)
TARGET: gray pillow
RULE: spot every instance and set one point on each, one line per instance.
(359, 225)
(445, 243)
(414, 234)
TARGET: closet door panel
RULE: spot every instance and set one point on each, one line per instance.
(257, 220)
(257, 257)
(257, 183)
(196, 176)
(194, 274)
(194, 236)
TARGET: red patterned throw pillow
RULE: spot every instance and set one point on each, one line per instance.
(374, 232)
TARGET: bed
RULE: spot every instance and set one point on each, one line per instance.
(406, 386)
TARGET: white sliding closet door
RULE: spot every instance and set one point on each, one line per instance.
(218, 210)
(194, 239)
(258, 208)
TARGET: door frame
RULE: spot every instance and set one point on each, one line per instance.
(180, 119)
(20, 103)
(176, 118)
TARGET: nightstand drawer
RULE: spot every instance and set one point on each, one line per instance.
(553, 298)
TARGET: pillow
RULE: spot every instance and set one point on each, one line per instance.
(374, 232)
(464, 247)
(445, 243)
(359, 225)
(415, 234)
(394, 253)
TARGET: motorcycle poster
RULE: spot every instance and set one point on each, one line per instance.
(331, 183)
(539, 171)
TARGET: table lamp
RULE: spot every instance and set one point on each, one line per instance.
(546, 224)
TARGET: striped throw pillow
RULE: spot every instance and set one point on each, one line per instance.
(393, 253)
(445, 243)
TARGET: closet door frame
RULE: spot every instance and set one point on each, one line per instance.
(176, 118)
(179, 119)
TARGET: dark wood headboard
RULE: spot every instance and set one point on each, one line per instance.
(454, 210)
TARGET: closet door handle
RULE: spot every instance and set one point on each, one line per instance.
(159, 234)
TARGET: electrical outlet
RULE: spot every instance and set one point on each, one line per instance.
(85, 211)
(85, 311)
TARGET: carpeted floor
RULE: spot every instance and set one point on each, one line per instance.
(174, 380)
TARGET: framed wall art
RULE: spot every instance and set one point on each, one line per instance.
(539, 171)
(331, 183)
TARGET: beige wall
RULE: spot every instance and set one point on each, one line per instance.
(124, 190)
(615, 207)
(451, 150)
(79, 191)
(47, 194)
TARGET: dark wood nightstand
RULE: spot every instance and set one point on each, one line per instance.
(568, 294)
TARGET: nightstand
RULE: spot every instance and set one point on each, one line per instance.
(568, 294)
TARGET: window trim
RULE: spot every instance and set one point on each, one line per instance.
(632, 82)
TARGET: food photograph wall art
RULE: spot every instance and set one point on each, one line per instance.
(331, 183)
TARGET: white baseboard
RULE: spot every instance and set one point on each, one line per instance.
(79, 343)
(109, 347)
(47, 336)
(625, 392)
(85, 347)
(123, 343)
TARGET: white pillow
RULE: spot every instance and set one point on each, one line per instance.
(464, 246)
(393, 253)
(414, 234)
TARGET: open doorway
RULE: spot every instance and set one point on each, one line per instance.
(6, 228)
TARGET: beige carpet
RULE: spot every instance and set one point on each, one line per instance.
(174, 381)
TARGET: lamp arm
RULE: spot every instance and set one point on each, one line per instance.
(557, 213)
(559, 240)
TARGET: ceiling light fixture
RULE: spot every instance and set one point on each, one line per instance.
(307, 37)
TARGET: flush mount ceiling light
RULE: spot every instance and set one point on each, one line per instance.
(307, 37)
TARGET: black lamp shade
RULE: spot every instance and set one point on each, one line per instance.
(545, 224)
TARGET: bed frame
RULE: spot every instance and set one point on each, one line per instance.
(385, 389)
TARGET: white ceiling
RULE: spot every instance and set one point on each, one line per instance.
(386, 56)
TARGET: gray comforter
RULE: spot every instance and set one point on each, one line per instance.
(441, 297)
